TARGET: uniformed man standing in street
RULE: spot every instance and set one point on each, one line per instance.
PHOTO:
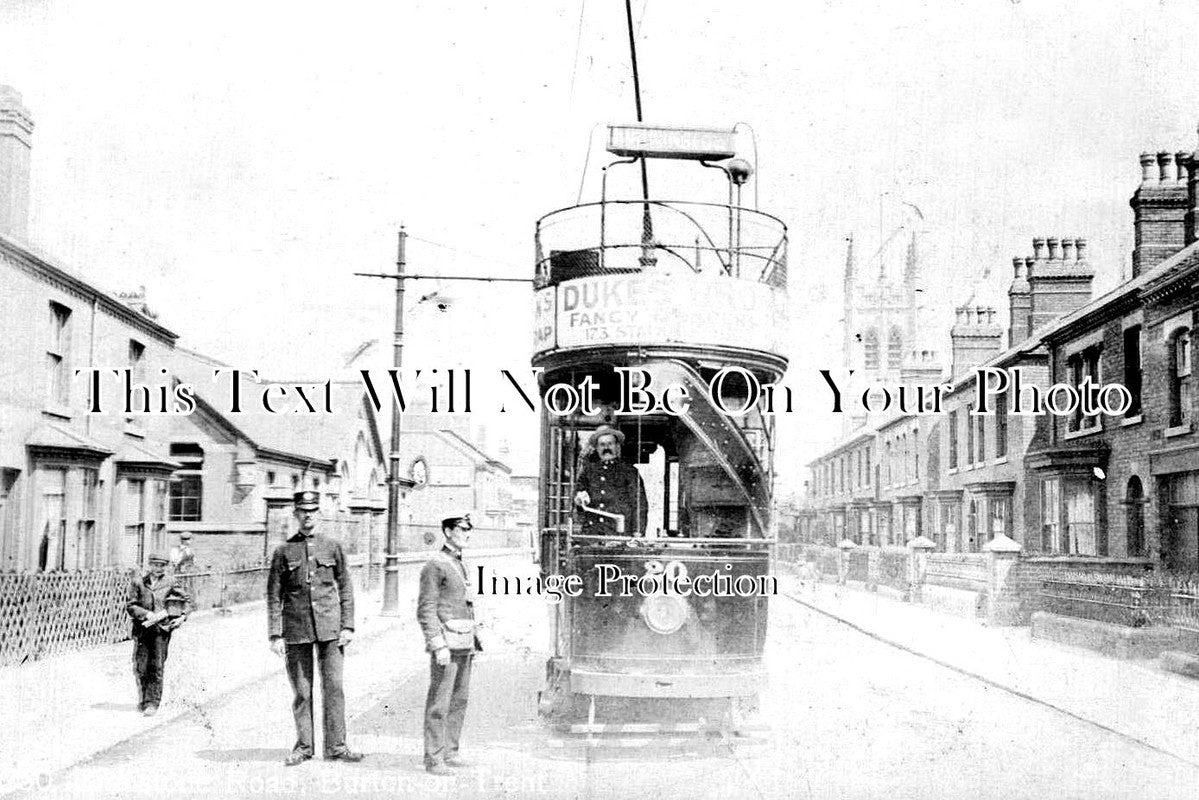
(446, 614)
(310, 609)
(609, 484)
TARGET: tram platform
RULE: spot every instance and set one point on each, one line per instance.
(1135, 698)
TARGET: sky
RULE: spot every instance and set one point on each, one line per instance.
(243, 160)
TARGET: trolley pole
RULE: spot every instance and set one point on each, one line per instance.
(391, 558)
(391, 555)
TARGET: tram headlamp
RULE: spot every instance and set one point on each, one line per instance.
(739, 170)
(665, 614)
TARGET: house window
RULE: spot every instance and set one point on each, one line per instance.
(86, 555)
(910, 526)
(134, 544)
(1051, 541)
(949, 527)
(9, 539)
(1084, 367)
(1001, 426)
(895, 349)
(981, 438)
(1180, 378)
(867, 467)
(58, 352)
(144, 506)
(1132, 369)
(972, 527)
(969, 434)
(871, 349)
(187, 485)
(1001, 511)
(1080, 518)
(1134, 501)
(53, 490)
(953, 439)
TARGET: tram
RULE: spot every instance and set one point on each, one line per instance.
(667, 318)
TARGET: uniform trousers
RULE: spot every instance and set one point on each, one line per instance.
(150, 648)
(445, 706)
(300, 673)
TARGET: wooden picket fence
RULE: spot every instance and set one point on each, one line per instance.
(46, 613)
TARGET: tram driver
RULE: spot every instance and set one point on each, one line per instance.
(607, 483)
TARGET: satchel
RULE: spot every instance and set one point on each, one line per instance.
(459, 634)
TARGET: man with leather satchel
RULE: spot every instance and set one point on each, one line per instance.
(447, 618)
(158, 606)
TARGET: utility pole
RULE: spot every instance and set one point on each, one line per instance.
(391, 556)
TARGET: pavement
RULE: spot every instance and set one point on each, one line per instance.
(65, 709)
(867, 697)
(71, 711)
(1137, 700)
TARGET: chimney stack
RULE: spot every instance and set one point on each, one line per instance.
(1190, 164)
(921, 366)
(1160, 205)
(976, 338)
(1019, 301)
(1048, 285)
(16, 142)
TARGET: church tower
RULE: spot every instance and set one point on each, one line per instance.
(884, 340)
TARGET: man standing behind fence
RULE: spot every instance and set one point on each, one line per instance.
(310, 607)
(158, 606)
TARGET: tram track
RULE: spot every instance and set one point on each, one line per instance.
(990, 682)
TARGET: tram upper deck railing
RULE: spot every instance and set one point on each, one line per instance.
(665, 237)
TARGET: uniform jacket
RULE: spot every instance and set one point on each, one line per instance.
(309, 597)
(615, 487)
(147, 596)
(443, 596)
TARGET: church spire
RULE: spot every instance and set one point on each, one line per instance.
(850, 264)
(912, 265)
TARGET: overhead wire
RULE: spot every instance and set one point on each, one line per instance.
(451, 248)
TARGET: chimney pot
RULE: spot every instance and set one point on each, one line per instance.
(1038, 249)
(1165, 164)
(1182, 160)
(1147, 172)
(1054, 255)
(1080, 249)
(1017, 267)
(1067, 249)
(16, 141)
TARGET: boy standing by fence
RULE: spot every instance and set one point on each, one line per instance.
(158, 606)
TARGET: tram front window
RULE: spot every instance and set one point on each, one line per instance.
(609, 491)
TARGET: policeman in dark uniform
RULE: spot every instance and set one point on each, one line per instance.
(310, 607)
(609, 484)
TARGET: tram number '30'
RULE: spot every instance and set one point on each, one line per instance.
(673, 570)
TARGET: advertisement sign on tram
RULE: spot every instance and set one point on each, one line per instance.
(642, 309)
